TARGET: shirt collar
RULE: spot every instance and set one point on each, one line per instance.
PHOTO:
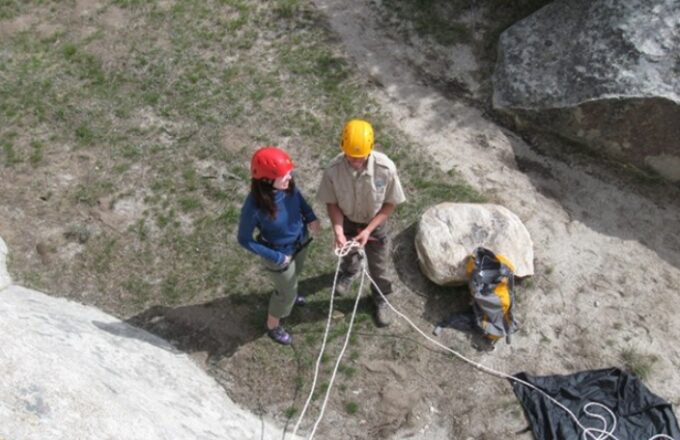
(369, 169)
(370, 165)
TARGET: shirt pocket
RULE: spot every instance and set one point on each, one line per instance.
(379, 190)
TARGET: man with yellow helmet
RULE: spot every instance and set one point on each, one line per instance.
(361, 189)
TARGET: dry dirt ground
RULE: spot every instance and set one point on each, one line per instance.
(607, 246)
(607, 249)
(607, 259)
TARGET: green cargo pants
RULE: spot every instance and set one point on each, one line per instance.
(285, 284)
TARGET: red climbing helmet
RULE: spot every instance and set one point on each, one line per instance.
(270, 163)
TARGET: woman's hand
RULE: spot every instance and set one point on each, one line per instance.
(286, 261)
(315, 227)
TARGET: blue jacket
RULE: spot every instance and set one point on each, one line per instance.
(278, 236)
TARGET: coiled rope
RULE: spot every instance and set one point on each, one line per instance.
(589, 433)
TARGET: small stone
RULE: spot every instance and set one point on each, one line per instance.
(43, 250)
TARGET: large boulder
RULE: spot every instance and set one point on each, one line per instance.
(449, 232)
(73, 372)
(602, 73)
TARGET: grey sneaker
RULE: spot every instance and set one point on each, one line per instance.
(278, 334)
(344, 284)
(383, 314)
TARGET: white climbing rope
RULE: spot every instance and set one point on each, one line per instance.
(589, 433)
(340, 253)
(342, 352)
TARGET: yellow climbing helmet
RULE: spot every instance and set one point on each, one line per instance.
(357, 138)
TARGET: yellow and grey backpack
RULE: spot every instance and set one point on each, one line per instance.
(491, 283)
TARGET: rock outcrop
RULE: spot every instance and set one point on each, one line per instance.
(5, 279)
(449, 232)
(602, 73)
(71, 371)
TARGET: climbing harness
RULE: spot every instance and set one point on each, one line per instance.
(589, 433)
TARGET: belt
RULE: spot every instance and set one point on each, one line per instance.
(354, 224)
(260, 239)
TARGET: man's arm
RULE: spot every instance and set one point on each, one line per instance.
(385, 211)
(336, 216)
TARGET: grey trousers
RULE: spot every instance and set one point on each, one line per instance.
(377, 254)
(285, 284)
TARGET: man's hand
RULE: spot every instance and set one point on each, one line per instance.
(363, 237)
(315, 227)
(340, 240)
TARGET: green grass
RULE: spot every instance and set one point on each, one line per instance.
(89, 193)
(171, 290)
(139, 289)
(35, 279)
(188, 204)
(167, 111)
(78, 233)
(104, 255)
(638, 363)
(37, 154)
(128, 3)
(10, 154)
(11, 8)
(351, 408)
(286, 9)
(290, 412)
(433, 19)
(347, 371)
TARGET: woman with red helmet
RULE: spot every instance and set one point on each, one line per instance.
(277, 210)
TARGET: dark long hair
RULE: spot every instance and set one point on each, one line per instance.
(263, 193)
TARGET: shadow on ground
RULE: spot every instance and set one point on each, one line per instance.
(439, 299)
(605, 195)
(439, 303)
(221, 326)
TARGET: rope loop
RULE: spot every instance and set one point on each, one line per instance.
(348, 247)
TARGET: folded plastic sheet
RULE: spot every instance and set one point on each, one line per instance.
(639, 413)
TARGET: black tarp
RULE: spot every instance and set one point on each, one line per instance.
(640, 414)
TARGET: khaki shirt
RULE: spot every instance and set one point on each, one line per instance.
(361, 194)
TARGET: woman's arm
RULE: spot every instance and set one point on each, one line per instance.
(246, 229)
(308, 214)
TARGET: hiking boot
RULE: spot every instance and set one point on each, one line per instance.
(300, 301)
(344, 283)
(383, 314)
(279, 335)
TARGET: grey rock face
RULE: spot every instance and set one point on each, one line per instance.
(73, 372)
(449, 232)
(605, 73)
(5, 280)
